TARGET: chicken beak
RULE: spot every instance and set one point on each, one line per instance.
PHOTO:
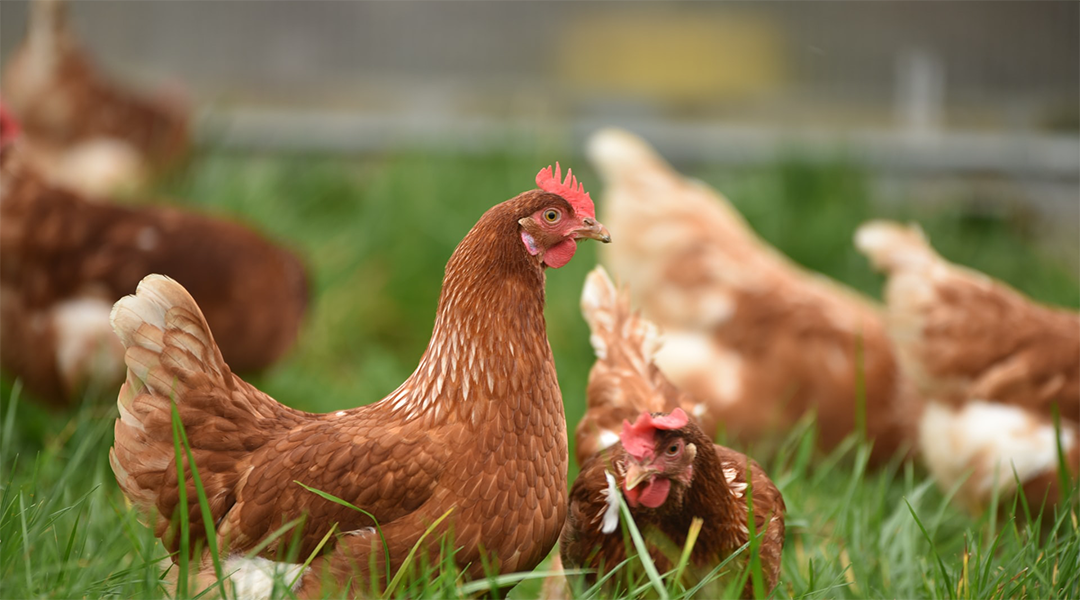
(593, 230)
(636, 474)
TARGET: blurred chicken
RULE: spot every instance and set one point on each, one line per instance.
(83, 131)
(758, 339)
(64, 260)
(668, 469)
(991, 362)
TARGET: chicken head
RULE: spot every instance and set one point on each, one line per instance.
(660, 453)
(550, 234)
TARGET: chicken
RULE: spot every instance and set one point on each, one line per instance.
(670, 473)
(477, 433)
(655, 461)
(991, 363)
(759, 340)
(64, 261)
(85, 132)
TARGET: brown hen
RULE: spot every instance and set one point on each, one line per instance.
(669, 470)
(64, 261)
(84, 131)
(477, 432)
(759, 340)
(992, 364)
(671, 473)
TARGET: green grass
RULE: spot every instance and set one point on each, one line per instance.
(377, 233)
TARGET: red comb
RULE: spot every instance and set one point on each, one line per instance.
(9, 127)
(637, 438)
(571, 191)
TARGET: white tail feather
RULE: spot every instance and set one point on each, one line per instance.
(614, 151)
(891, 246)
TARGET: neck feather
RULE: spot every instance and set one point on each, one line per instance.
(489, 342)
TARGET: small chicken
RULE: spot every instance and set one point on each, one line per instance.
(991, 362)
(64, 261)
(668, 469)
(477, 433)
(670, 473)
(759, 340)
(83, 131)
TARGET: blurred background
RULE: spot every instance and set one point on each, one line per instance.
(980, 95)
(323, 122)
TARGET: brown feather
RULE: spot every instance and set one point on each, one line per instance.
(624, 380)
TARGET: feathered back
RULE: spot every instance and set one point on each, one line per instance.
(172, 358)
(623, 382)
(963, 335)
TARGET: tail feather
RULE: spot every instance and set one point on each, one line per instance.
(617, 153)
(624, 381)
(891, 246)
(47, 21)
(614, 324)
(173, 361)
(168, 341)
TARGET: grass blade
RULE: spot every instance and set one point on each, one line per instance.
(204, 504)
(412, 553)
(643, 551)
(378, 528)
(691, 539)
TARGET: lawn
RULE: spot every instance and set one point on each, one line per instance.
(377, 232)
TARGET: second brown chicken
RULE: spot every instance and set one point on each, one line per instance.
(667, 469)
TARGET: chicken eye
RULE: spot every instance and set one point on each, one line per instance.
(551, 215)
(674, 449)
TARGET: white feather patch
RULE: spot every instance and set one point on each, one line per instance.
(687, 356)
(610, 521)
(607, 438)
(989, 440)
(86, 348)
(737, 489)
(254, 577)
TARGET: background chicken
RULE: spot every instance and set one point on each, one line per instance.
(64, 260)
(757, 338)
(991, 363)
(661, 463)
(478, 430)
(84, 131)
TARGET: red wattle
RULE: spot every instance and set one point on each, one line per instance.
(652, 493)
(655, 492)
(561, 253)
